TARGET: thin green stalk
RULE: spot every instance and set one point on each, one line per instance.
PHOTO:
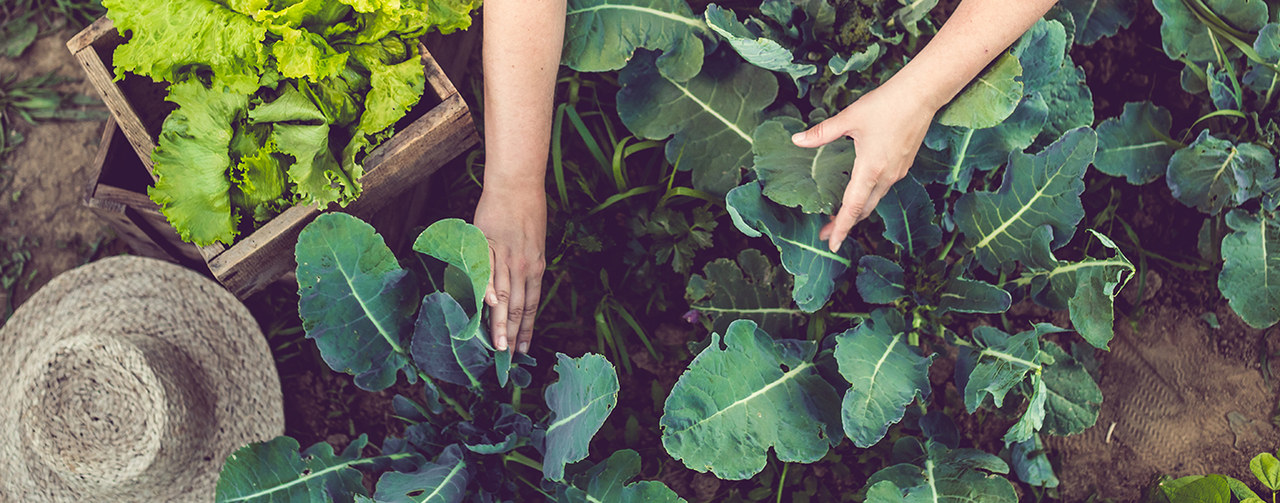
(782, 481)
(850, 316)
(947, 249)
(518, 458)
(557, 155)
(448, 400)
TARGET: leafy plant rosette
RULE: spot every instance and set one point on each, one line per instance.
(993, 198)
(1225, 163)
(278, 102)
(366, 316)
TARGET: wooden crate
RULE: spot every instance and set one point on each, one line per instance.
(117, 192)
(435, 131)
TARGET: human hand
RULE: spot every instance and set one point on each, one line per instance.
(514, 220)
(887, 126)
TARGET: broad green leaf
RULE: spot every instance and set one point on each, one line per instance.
(464, 246)
(753, 289)
(757, 50)
(857, 62)
(602, 35)
(945, 475)
(1097, 19)
(1088, 287)
(1242, 491)
(1250, 277)
(1184, 35)
(972, 296)
(192, 165)
(435, 350)
(1032, 419)
(804, 255)
(739, 398)
(1213, 174)
(1073, 398)
(354, 299)
(812, 179)
(442, 481)
(1262, 78)
(229, 43)
(1031, 463)
(913, 11)
(493, 431)
(1209, 489)
(908, 214)
(580, 402)
(880, 280)
(1266, 468)
(1135, 145)
(951, 155)
(1001, 363)
(607, 482)
(1037, 190)
(1047, 71)
(886, 374)
(710, 118)
(275, 471)
(989, 99)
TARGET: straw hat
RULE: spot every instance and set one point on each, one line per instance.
(130, 379)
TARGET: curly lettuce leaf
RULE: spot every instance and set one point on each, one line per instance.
(302, 54)
(229, 43)
(259, 182)
(192, 161)
(395, 88)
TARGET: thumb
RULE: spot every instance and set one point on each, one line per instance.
(825, 132)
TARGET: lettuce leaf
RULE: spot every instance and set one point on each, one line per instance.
(259, 182)
(302, 54)
(192, 161)
(229, 43)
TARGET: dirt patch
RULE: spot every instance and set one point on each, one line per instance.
(48, 173)
(1178, 402)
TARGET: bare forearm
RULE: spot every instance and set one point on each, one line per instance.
(976, 34)
(522, 44)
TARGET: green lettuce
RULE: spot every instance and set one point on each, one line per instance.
(279, 101)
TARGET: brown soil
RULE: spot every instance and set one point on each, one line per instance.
(48, 174)
(1181, 399)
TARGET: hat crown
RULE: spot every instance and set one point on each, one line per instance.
(111, 410)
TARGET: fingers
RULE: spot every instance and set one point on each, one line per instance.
(825, 132)
(853, 207)
(532, 296)
(516, 308)
(501, 306)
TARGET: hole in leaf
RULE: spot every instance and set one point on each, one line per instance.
(415, 493)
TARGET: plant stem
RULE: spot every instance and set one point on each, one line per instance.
(521, 459)
(782, 480)
(947, 249)
(457, 407)
(515, 398)
(850, 316)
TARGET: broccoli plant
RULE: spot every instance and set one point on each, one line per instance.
(994, 197)
(365, 314)
(1231, 53)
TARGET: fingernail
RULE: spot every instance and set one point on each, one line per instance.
(502, 344)
(834, 245)
(524, 347)
(798, 137)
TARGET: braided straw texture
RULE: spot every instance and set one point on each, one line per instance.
(130, 379)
